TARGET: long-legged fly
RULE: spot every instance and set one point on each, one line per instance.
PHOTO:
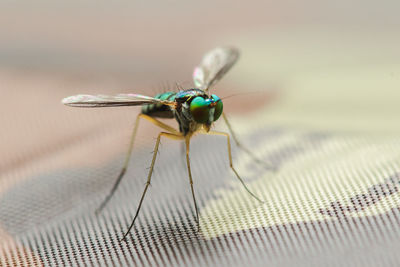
(194, 109)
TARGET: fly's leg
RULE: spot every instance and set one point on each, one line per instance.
(187, 142)
(128, 155)
(231, 164)
(183, 152)
(171, 136)
(245, 149)
(125, 166)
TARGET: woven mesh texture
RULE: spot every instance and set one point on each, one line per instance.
(321, 208)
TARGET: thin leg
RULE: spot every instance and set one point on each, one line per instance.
(183, 152)
(187, 142)
(231, 164)
(128, 155)
(245, 149)
(171, 136)
(160, 124)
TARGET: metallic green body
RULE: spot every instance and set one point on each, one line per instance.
(160, 110)
(182, 112)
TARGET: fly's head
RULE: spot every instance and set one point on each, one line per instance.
(206, 110)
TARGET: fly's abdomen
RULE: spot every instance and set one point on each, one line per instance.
(159, 110)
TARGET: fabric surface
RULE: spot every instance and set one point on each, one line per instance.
(333, 200)
(330, 198)
(316, 103)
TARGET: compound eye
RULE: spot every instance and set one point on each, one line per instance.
(200, 109)
(218, 107)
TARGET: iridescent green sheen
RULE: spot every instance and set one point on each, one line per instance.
(218, 108)
(159, 110)
(200, 110)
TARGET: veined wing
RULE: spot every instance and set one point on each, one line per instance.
(214, 66)
(92, 101)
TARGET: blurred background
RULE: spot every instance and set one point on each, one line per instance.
(330, 64)
(324, 66)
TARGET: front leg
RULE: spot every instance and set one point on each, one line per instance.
(231, 164)
(245, 149)
(168, 135)
(187, 142)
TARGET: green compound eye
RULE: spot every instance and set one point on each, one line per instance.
(199, 107)
(218, 108)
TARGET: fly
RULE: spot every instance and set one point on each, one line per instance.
(194, 109)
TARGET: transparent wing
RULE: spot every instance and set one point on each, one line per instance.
(214, 66)
(91, 101)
